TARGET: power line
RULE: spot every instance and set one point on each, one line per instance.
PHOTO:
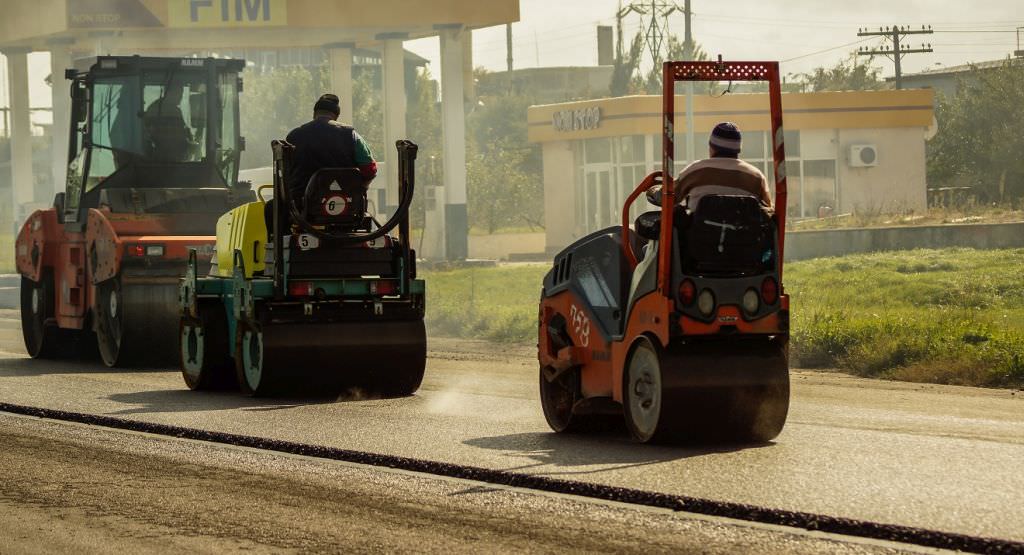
(895, 52)
(825, 50)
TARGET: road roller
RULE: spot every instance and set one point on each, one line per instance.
(328, 298)
(152, 164)
(690, 342)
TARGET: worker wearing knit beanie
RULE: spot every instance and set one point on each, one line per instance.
(722, 173)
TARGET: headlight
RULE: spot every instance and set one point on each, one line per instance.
(751, 301)
(706, 302)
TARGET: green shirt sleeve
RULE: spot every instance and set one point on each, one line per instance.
(363, 154)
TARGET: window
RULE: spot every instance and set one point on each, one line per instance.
(114, 130)
(597, 151)
(227, 143)
(174, 118)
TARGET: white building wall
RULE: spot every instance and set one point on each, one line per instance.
(896, 184)
(559, 194)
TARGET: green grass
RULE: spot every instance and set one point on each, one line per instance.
(946, 316)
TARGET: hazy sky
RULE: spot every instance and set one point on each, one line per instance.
(803, 34)
(562, 32)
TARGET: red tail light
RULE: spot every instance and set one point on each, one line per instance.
(135, 250)
(300, 289)
(384, 287)
(769, 290)
(687, 292)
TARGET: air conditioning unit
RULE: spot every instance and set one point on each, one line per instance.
(863, 156)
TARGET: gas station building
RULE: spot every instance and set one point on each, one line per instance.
(848, 151)
(73, 29)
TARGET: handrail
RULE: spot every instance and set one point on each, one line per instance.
(259, 192)
(651, 180)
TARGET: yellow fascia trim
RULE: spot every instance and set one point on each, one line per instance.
(641, 115)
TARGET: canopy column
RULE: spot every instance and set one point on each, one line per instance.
(393, 61)
(20, 125)
(339, 56)
(453, 125)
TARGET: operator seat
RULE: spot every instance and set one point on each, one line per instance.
(335, 197)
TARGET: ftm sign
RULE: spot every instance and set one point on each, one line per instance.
(227, 13)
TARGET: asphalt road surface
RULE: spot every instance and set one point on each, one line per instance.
(945, 458)
(80, 489)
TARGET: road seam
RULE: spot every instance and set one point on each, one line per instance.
(534, 483)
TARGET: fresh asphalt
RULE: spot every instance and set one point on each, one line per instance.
(943, 458)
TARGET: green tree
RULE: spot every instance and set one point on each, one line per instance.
(504, 181)
(272, 104)
(626, 66)
(979, 140)
(852, 74)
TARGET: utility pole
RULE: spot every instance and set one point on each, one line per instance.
(895, 35)
(508, 54)
(691, 149)
(1018, 52)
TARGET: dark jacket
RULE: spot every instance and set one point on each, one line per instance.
(323, 143)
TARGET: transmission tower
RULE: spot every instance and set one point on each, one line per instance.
(654, 16)
(896, 36)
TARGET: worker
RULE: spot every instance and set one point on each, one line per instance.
(168, 137)
(723, 173)
(324, 142)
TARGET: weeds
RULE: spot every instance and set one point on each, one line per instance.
(951, 316)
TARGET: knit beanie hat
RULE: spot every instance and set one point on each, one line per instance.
(726, 138)
(328, 103)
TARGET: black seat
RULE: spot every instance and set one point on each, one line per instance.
(335, 197)
(728, 234)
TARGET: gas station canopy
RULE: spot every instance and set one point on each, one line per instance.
(211, 24)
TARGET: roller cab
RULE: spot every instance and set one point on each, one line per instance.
(327, 297)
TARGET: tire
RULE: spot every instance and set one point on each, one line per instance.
(42, 337)
(252, 376)
(557, 398)
(204, 350)
(642, 392)
(110, 327)
(136, 325)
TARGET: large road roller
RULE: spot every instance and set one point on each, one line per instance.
(327, 299)
(152, 164)
(690, 343)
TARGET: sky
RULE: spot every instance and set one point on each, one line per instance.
(802, 34)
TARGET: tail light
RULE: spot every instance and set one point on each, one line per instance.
(687, 292)
(301, 289)
(384, 287)
(769, 290)
(141, 249)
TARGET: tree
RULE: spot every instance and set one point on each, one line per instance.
(503, 170)
(273, 103)
(626, 66)
(850, 74)
(979, 142)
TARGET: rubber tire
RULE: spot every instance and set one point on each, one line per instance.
(259, 381)
(43, 340)
(204, 349)
(557, 399)
(642, 393)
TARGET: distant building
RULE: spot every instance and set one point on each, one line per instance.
(845, 151)
(551, 84)
(946, 80)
